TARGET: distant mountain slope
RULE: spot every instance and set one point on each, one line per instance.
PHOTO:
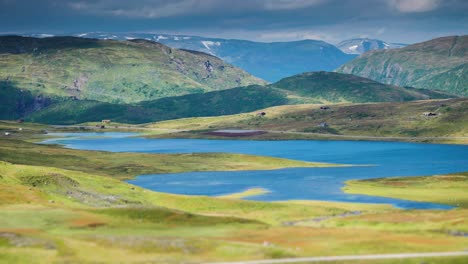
(318, 87)
(269, 61)
(338, 87)
(363, 45)
(112, 71)
(440, 64)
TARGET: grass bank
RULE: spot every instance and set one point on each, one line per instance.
(128, 165)
(55, 215)
(444, 189)
(383, 121)
(70, 206)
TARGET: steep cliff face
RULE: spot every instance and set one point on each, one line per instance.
(440, 64)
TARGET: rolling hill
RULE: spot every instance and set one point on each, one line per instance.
(440, 64)
(269, 61)
(325, 87)
(318, 87)
(390, 119)
(112, 71)
(231, 101)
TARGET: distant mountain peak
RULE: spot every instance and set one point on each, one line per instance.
(363, 45)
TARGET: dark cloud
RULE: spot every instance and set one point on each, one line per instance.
(264, 20)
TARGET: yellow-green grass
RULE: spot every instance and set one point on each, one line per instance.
(453, 222)
(56, 215)
(128, 165)
(445, 189)
(41, 185)
(368, 207)
(244, 194)
(68, 209)
(395, 121)
(430, 260)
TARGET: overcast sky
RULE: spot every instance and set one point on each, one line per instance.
(404, 21)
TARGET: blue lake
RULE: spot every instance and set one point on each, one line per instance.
(387, 159)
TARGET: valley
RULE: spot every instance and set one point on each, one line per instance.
(63, 205)
(172, 148)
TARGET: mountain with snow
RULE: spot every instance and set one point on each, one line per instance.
(269, 61)
(362, 45)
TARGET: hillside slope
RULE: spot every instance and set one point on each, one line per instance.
(319, 87)
(336, 87)
(269, 61)
(440, 64)
(402, 119)
(231, 101)
(112, 71)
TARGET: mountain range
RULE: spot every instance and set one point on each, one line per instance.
(282, 58)
(269, 61)
(440, 64)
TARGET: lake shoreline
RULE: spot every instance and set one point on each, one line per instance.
(358, 153)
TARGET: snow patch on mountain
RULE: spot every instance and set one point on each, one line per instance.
(208, 44)
(361, 45)
(158, 38)
(353, 48)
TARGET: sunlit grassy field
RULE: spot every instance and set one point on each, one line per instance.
(70, 206)
(449, 189)
(400, 121)
(51, 214)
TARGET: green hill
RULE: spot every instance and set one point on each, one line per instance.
(440, 64)
(112, 71)
(319, 87)
(336, 87)
(390, 119)
(231, 101)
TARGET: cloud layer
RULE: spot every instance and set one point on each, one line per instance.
(265, 20)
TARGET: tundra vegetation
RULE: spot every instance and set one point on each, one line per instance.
(62, 205)
(405, 121)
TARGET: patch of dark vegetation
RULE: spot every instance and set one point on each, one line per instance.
(276, 253)
(226, 102)
(15, 103)
(321, 130)
(153, 244)
(51, 179)
(235, 134)
(171, 217)
(97, 199)
(18, 240)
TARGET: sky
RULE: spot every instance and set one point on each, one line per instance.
(401, 21)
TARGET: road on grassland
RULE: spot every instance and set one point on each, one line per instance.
(352, 257)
